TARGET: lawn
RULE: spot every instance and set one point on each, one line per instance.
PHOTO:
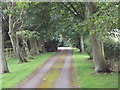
(0, 81)
(20, 71)
(84, 74)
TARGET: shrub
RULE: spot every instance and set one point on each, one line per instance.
(112, 51)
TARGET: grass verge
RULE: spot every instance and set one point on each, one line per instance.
(85, 79)
(20, 71)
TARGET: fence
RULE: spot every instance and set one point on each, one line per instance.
(9, 53)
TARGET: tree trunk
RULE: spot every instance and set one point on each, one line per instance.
(40, 45)
(19, 53)
(98, 54)
(12, 35)
(34, 47)
(14, 41)
(43, 47)
(80, 44)
(27, 49)
(97, 46)
(3, 62)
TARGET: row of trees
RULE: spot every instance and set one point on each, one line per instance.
(34, 23)
(96, 21)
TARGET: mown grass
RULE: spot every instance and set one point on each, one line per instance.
(0, 81)
(85, 79)
(20, 71)
(54, 73)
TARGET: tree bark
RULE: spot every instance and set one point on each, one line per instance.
(80, 44)
(4, 65)
(40, 45)
(32, 51)
(12, 35)
(19, 53)
(98, 54)
(97, 46)
(3, 62)
(27, 49)
(34, 46)
(43, 47)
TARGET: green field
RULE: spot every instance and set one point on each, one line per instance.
(20, 71)
(84, 72)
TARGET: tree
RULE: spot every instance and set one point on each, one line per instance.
(97, 45)
(44, 25)
(67, 18)
(12, 31)
(25, 35)
(78, 10)
(3, 62)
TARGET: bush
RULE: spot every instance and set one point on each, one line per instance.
(112, 51)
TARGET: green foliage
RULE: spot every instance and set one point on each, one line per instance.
(50, 20)
(27, 34)
(112, 51)
(106, 18)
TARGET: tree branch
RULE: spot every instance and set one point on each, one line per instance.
(37, 27)
(74, 8)
(18, 20)
(78, 6)
(79, 13)
(68, 8)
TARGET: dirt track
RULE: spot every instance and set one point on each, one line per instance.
(63, 80)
